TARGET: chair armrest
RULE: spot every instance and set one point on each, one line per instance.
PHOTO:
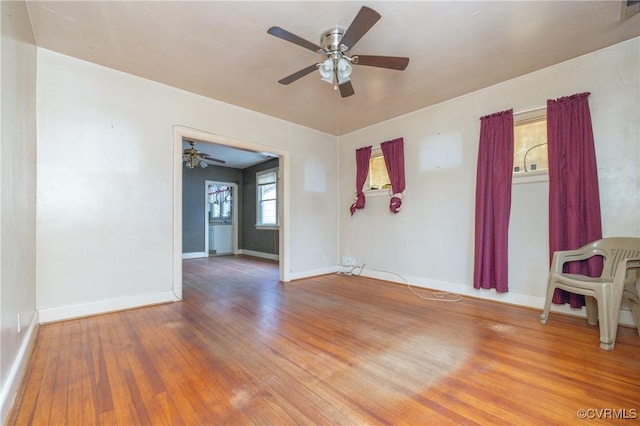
(624, 266)
(620, 278)
(563, 256)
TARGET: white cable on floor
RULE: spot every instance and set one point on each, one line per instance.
(438, 296)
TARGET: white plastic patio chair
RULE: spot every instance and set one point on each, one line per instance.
(606, 289)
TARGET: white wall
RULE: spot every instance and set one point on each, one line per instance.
(18, 320)
(431, 240)
(106, 157)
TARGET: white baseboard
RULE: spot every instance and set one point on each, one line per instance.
(17, 369)
(298, 275)
(626, 318)
(260, 254)
(195, 255)
(104, 306)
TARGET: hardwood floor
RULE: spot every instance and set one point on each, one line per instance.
(242, 348)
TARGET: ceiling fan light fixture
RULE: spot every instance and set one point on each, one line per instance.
(326, 71)
(189, 163)
(192, 157)
(344, 71)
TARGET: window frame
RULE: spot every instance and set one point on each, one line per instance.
(220, 218)
(521, 118)
(259, 224)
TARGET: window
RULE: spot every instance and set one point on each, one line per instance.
(530, 142)
(378, 177)
(219, 202)
(267, 198)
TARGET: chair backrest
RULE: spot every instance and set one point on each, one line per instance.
(614, 250)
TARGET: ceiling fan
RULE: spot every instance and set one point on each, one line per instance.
(194, 158)
(335, 45)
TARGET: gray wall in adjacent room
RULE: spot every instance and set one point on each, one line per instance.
(260, 240)
(193, 199)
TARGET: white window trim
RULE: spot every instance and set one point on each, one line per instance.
(269, 227)
(378, 192)
(530, 177)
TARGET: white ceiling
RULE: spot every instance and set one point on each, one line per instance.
(221, 49)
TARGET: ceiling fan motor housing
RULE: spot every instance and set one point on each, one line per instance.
(330, 41)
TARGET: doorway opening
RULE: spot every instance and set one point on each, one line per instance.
(181, 133)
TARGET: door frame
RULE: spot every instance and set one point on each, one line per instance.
(284, 185)
(234, 214)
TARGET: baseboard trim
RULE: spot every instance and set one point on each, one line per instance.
(298, 275)
(536, 302)
(104, 306)
(17, 369)
(260, 254)
(195, 255)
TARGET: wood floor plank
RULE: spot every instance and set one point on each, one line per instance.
(244, 349)
(46, 392)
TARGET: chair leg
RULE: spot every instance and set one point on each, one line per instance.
(608, 312)
(544, 316)
(592, 310)
(635, 311)
(606, 342)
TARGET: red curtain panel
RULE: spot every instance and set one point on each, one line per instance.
(393, 152)
(574, 195)
(493, 201)
(362, 170)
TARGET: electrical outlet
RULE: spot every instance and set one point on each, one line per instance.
(348, 261)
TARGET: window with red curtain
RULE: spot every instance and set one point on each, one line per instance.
(493, 201)
(393, 152)
(574, 195)
(362, 170)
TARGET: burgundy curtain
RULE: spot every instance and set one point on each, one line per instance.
(393, 152)
(574, 197)
(493, 201)
(362, 170)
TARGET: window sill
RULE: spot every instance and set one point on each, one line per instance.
(268, 227)
(530, 177)
(377, 193)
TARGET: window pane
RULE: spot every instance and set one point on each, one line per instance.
(219, 198)
(269, 212)
(264, 178)
(378, 176)
(530, 146)
(267, 198)
(268, 192)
